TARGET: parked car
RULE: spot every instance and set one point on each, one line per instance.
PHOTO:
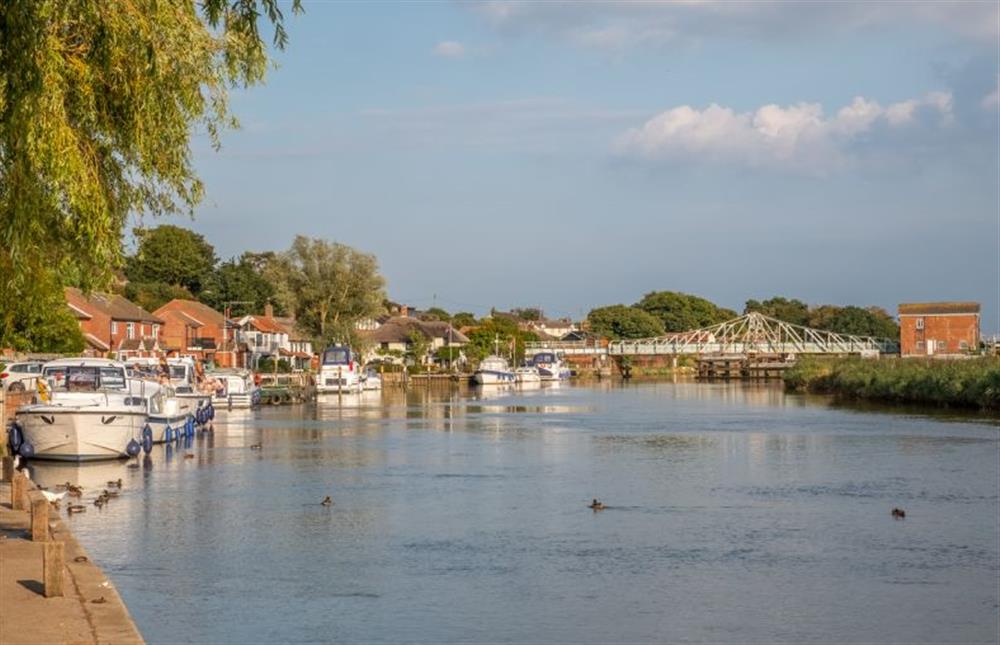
(20, 377)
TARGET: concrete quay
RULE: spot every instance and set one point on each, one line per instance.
(89, 609)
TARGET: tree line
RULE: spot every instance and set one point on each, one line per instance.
(662, 312)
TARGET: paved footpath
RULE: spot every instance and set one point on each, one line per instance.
(90, 612)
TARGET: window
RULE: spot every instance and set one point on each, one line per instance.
(114, 328)
(920, 344)
(942, 344)
(963, 344)
(130, 330)
(920, 323)
(156, 331)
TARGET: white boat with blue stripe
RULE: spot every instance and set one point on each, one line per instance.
(494, 370)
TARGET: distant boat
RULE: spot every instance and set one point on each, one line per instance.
(527, 375)
(236, 389)
(493, 370)
(550, 366)
(371, 380)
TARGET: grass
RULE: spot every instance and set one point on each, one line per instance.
(973, 383)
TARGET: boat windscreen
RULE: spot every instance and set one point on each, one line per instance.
(80, 378)
(544, 357)
(337, 356)
(177, 373)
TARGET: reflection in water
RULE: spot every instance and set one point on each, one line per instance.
(453, 514)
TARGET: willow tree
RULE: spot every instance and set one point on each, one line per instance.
(98, 104)
(329, 286)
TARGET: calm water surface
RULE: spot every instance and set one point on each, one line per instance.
(736, 514)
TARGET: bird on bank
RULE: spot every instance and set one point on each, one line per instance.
(54, 498)
(327, 501)
(596, 505)
(898, 514)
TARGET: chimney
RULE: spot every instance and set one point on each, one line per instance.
(268, 311)
(404, 311)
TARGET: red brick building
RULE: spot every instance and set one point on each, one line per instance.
(192, 328)
(113, 324)
(938, 328)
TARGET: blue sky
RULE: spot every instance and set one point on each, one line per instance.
(575, 155)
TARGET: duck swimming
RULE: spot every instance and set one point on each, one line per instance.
(899, 514)
(596, 505)
(327, 501)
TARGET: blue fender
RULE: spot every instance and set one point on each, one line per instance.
(15, 436)
(147, 439)
(26, 450)
(132, 448)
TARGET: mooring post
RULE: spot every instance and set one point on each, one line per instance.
(8, 468)
(53, 563)
(18, 491)
(39, 517)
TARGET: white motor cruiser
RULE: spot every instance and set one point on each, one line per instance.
(85, 410)
(371, 380)
(493, 370)
(339, 371)
(550, 366)
(170, 416)
(527, 376)
(187, 388)
(234, 389)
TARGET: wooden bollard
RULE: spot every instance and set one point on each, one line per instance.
(53, 563)
(8, 468)
(39, 517)
(18, 492)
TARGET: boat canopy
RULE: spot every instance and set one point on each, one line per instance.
(337, 356)
(543, 357)
(85, 378)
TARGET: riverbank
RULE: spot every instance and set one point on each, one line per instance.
(91, 611)
(973, 383)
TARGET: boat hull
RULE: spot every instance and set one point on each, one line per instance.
(75, 435)
(491, 377)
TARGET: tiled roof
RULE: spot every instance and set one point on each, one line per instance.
(115, 306)
(194, 309)
(265, 324)
(96, 342)
(919, 308)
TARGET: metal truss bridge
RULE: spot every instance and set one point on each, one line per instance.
(753, 333)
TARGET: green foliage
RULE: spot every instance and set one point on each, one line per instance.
(463, 319)
(682, 312)
(266, 365)
(792, 311)
(329, 286)
(619, 321)
(493, 334)
(416, 348)
(41, 321)
(527, 313)
(436, 313)
(152, 295)
(98, 101)
(872, 321)
(242, 281)
(961, 383)
(172, 256)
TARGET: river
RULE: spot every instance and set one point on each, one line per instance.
(735, 513)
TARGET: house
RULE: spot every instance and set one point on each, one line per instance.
(396, 335)
(192, 328)
(552, 328)
(938, 328)
(299, 352)
(113, 324)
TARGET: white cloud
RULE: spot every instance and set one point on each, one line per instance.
(992, 100)
(449, 49)
(798, 136)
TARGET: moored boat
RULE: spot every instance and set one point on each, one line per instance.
(527, 376)
(550, 366)
(85, 410)
(339, 371)
(493, 370)
(235, 389)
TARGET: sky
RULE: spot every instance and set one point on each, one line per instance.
(570, 155)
